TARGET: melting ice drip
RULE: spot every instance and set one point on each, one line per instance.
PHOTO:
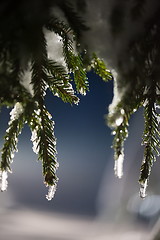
(143, 187)
(118, 167)
(3, 180)
(51, 192)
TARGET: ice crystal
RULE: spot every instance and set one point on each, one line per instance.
(118, 167)
(3, 180)
(51, 192)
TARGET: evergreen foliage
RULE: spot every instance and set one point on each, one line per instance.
(137, 87)
(23, 48)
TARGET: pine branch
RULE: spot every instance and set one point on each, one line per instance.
(79, 74)
(100, 68)
(40, 123)
(24, 43)
(118, 118)
(11, 138)
(59, 83)
(73, 60)
(151, 139)
(10, 72)
(75, 65)
(44, 143)
(75, 21)
(120, 132)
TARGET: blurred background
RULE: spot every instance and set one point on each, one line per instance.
(90, 202)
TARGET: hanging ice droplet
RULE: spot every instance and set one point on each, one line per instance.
(118, 167)
(51, 192)
(143, 187)
(122, 111)
(12, 155)
(113, 133)
(3, 180)
(119, 121)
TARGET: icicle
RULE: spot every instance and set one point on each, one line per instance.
(3, 180)
(118, 167)
(51, 192)
(143, 187)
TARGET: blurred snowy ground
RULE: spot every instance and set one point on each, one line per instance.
(28, 224)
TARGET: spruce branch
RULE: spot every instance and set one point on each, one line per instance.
(42, 128)
(151, 139)
(120, 124)
(73, 60)
(75, 21)
(75, 65)
(23, 45)
(100, 68)
(16, 123)
(59, 83)
(44, 144)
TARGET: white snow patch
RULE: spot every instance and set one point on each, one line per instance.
(16, 112)
(118, 94)
(55, 47)
(26, 80)
(119, 121)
